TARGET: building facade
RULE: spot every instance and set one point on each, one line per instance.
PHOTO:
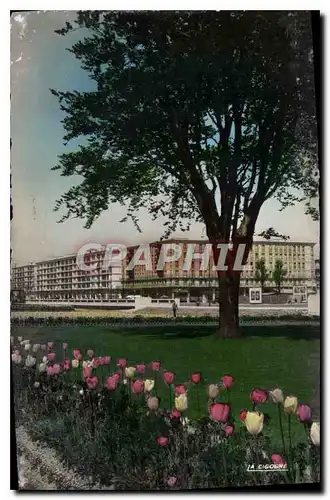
(174, 279)
(62, 280)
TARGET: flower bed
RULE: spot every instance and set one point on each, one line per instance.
(106, 419)
(79, 318)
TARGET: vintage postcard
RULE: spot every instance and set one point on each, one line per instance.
(165, 237)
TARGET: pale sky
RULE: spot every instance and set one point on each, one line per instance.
(39, 62)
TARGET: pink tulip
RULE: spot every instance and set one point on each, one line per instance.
(50, 345)
(88, 371)
(51, 356)
(111, 383)
(228, 381)
(117, 376)
(196, 378)
(77, 354)
(162, 441)
(90, 353)
(65, 345)
(56, 369)
(259, 396)
(304, 413)
(180, 389)
(278, 459)
(96, 362)
(169, 377)
(153, 403)
(67, 365)
(155, 365)
(141, 368)
(50, 371)
(171, 481)
(106, 360)
(242, 415)
(122, 363)
(138, 386)
(229, 429)
(175, 414)
(219, 412)
(92, 382)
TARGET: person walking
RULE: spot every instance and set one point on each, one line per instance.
(174, 309)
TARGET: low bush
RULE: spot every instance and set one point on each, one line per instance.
(107, 422)
(48, 320)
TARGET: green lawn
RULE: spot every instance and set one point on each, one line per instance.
(266, 356)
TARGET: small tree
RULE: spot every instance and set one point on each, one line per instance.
(279, 274)
(262, 274)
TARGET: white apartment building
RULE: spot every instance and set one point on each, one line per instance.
(60, 279)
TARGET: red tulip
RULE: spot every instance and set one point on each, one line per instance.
(169, 377)
(111, 383)
(259, 396)
(56, 369)
(77, 354)
(51, 356)
(228, 381)
(141, 368)
(90, 353)
(162, 441)
(242, 415)
(92, 382)
(175, 414)
(106, 360)
(155, 365)
(180, 389)
(278, 459)
(88, 371)
(229, 428)
(304, 413)
(138, 386)
(219, 412)
(196, 378)
(122, 363)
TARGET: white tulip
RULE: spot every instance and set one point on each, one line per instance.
(30, 361)
(42, 367)
(315, 433)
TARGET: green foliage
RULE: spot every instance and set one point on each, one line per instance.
(262, 274)
(195, 115)
(279, 274)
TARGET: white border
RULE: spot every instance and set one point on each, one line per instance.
(4, 171)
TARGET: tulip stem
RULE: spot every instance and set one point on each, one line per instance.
(224, 462)
(198, 405)
(290, 442)
(281, 428)
(169, 387)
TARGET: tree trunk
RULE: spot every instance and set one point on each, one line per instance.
(228, 326)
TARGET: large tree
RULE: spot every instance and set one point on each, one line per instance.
(195, 115)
